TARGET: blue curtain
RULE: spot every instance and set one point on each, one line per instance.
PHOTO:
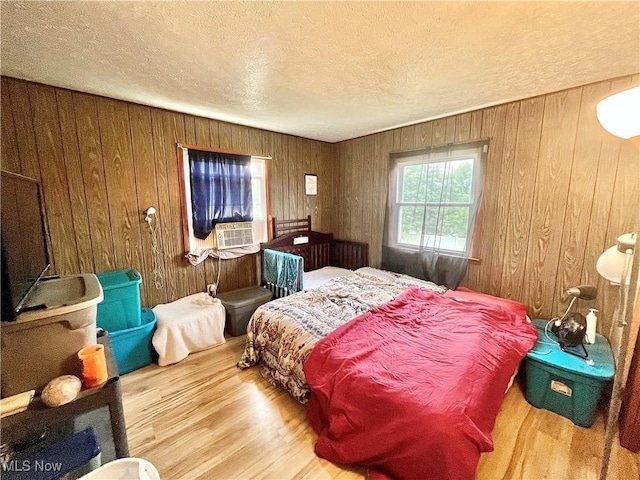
(220, 190)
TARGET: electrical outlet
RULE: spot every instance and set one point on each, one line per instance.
(212, 289)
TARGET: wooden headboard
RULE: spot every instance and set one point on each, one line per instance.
(283, 227)
(318, 249)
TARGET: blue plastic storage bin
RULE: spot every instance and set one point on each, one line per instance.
(132, 347)
(120, 309)
(567, 384)
(70, 458)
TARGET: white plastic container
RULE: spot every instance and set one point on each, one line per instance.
(124, 469)
(592, 321)
(42, 344)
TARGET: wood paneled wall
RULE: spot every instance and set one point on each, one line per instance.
(558, 191)
(103, 162)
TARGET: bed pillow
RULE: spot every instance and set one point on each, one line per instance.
(377, 274)
(319, 277)
(408, 280)
(465, 294)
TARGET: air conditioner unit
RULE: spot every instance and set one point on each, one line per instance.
(236, 234)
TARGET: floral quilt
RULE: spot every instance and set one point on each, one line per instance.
(282, 333)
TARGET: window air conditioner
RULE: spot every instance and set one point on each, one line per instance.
(230, 235)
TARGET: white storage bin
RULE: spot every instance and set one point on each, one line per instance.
(43, 343)
(124, 469)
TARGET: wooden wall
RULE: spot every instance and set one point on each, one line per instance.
(558, 191)
(556, 194)
(103, 162)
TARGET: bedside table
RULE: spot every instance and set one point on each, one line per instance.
(564, 383)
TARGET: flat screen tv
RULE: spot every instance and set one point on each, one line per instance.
(25, 254)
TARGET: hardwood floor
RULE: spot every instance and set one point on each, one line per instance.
(203, 418)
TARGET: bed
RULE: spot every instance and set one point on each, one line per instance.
(384, 356)
(323, 256)
(282, 333)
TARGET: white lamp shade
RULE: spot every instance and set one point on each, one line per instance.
(615, 260)
(619, 114)
(611, 264)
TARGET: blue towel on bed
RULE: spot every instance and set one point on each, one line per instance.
(283, 269)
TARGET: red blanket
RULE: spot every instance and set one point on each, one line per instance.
(411, 389)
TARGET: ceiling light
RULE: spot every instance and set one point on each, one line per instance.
(619, 114)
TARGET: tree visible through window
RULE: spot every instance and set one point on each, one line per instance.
(435, 203)
(434, 200)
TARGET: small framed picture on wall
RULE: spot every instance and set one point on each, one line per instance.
(310, 184)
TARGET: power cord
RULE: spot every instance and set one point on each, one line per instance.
(546, 331)
(219, 270)
(158, 280)
(546, 334)
(213, 288)
(558, 321)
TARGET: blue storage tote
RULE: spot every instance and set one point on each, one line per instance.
(565, 383)
(73, 457)
(120, 308)
(132, 347)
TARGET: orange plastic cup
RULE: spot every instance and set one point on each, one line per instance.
(94, 365)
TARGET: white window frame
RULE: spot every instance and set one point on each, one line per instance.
(450, 153)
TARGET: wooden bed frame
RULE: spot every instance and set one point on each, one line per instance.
(318, 249)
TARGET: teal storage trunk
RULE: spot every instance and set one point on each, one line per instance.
(132, 347)
(564, 383)
(120, 308)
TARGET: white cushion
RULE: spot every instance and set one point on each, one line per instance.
(188, 325)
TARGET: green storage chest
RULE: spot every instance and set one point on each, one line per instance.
(132, 347)
(564, 383)
(120, 308)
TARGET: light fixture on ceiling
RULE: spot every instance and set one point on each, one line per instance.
(619, 114)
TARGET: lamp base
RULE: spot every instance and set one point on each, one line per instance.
(584, 354)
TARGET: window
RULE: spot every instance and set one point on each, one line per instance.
(259, 190)
(434, 197)
(259, 201)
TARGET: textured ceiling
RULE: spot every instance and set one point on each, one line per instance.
(327, 70)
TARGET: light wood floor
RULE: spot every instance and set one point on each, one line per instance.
(204, 418)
